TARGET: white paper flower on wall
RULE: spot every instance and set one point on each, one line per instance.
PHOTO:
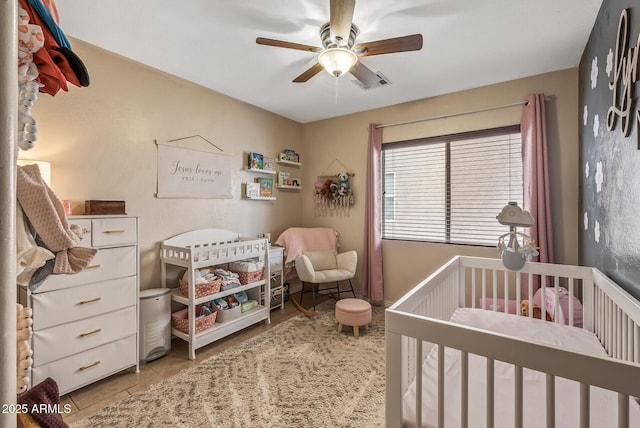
(586, 169)
(586, 221)
(585, 115)
(599, 177)
(596, 125)
(594, 72)
(609, 62)
(596, 231)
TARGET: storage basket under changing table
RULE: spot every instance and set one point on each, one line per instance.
(180, 320)
(248, 270)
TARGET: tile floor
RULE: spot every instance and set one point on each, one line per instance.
(86, 401)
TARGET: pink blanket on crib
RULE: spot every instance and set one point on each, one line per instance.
(295, 240)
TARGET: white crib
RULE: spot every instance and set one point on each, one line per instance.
(419, 330)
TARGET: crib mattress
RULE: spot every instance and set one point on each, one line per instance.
(603, 402)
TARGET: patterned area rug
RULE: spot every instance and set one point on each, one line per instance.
(301, 373)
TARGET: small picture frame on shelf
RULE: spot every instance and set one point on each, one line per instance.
(253, 190)
(266, 186)
(282, 156)
(256, 161)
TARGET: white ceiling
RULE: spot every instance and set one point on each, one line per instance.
(467, 44)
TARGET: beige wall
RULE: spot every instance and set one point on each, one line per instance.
(100, 142)
(345, 139)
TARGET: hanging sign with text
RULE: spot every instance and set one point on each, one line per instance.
(189, 173)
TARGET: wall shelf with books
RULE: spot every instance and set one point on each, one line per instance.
(258, 163)
(288, 162)
(289, 157)
(260, 189)
(285, 181)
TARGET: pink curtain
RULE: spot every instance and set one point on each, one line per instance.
(537, 199)
(372, 287)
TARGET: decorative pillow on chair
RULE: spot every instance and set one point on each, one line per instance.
(322, 260)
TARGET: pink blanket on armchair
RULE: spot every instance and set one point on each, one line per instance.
(295, 240)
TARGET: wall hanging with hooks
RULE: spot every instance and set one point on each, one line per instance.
(333, 191)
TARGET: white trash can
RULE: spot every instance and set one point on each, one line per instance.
(155, 323)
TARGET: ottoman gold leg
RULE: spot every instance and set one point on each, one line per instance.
(339, 327)
(356, 331)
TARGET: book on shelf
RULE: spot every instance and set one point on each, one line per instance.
(253, 190)
(283, 178)
(269, 164)
(266, 186)
(256, 161)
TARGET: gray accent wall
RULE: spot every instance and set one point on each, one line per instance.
(609, 216)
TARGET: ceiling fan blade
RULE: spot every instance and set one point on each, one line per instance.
(364, 74)
(396, 44)
(309, 73)
(288, 45)
(340, 19)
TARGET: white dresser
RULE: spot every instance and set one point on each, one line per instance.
(85, 326)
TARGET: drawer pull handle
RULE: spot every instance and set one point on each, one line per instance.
(84, 302)
(89, 333)
(93, 267)
(114, 231)
(90, 365)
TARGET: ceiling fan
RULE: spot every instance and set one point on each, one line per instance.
(339, 53)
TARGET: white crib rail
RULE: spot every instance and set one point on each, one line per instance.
(419, 320)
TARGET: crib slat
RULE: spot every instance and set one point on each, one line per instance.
(441, 403)
(464, 389)
(518, 395)
(473, 288)
(490, 392)
(506, 292)
(419, 384)
(623, 411)
(571, 291)
(584, 405)
(551, 401)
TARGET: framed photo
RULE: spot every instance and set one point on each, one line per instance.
(266, 186)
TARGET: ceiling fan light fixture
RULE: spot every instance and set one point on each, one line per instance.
(337, 61)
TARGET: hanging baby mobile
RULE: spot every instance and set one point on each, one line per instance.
(333, 192)
(514, 247)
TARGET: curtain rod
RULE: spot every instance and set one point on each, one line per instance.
(454, 114)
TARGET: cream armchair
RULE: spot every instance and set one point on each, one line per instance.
(320, 267)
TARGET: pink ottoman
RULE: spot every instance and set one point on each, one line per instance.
(353, 312)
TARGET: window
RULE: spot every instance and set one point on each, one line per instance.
(450, 189)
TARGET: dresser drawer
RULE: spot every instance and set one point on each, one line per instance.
(113, 231)
(85, 224)
(62, 306)
(108, 263)
(53, 343)
(86, 367)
